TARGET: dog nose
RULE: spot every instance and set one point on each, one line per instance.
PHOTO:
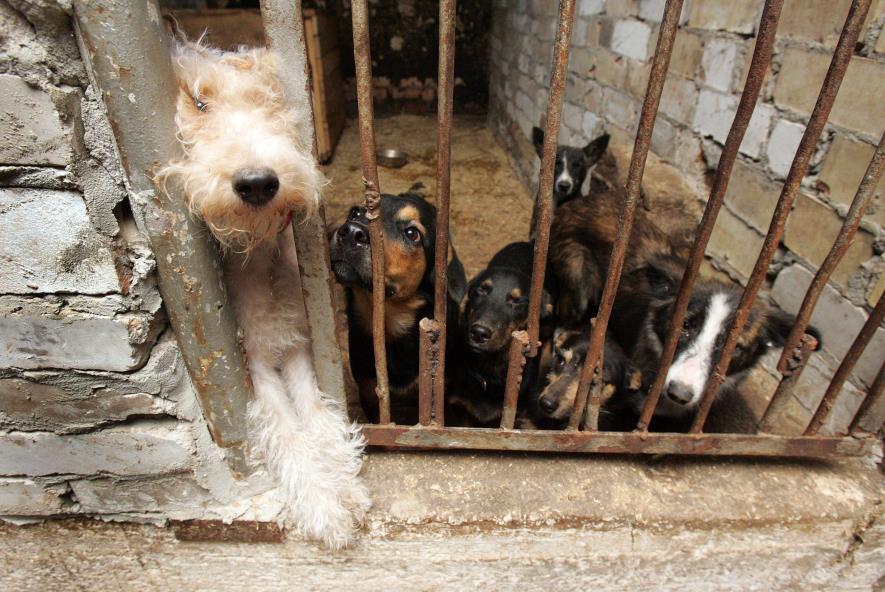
(357, 234)
(479, 333)
(547, 404)
(564, 186)
(256, 186)
(679, 393)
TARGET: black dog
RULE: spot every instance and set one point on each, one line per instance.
(409, 226)
(552, 407)
(572, 165)
(496, 305)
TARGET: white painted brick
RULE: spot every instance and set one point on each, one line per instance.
(79, 343)
(718, 62)
(715, 113)
(782, 146)
(836, 318)
(31, 130)
(169, 494)
(651, 10)
(149, 450)
(588, 7)
(49, 245)
(630, 39)
(591, 125)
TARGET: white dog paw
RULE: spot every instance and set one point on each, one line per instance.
(356, 498)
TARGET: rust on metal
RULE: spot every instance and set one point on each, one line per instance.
(418, 437)
(656, 79)
(544, 203)
(519, 348)
(594, 401)
(284, 31)
(446, 84)
(759, 65)
(848, 362)
(428, 358)
(846, 237)
(790, 376)
(363, 61)
(871, 414)
(836, 72)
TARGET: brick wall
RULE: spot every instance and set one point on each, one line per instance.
(97, 414)
(612, 45)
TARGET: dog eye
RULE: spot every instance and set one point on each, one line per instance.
(482, 290)
(511, 299)
(412, 234)
(354, 212)
(200, 104)
(558, 362)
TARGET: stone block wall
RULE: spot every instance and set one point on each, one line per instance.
(613, 42)
(97, 414)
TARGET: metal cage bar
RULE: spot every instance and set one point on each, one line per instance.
(363, 59)
(871, 413)
(759, 65)
(836, 72)
(284, 30)
(848, 362)
(544, 203)
(656, 79)
(117, 37)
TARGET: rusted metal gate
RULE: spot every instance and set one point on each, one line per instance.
(221, 388)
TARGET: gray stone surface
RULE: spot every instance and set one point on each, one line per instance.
(31, 130)
(49, 245)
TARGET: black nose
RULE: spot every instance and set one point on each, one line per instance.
(256, 186)
(547, 404)
(354, 234)
(564, 186)
(479, 333)
(679, 393)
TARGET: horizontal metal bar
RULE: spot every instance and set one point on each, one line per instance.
(418, 437)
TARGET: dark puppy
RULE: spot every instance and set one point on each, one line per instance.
(496, 305)
(572, 165)
(409, 225)
(552, 406)
(640, 323)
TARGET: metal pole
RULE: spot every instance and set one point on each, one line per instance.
(127, 55)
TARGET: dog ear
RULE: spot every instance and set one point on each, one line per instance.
(777, 327)
(548, 318)
(457, 277)
(596, 148)
(538, 140)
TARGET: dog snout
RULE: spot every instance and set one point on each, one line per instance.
(353, 234)
(479, 334)
(547, 404)
(564, 186)
(679, 393)
(256, 186)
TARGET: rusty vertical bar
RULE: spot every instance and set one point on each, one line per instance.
(755, 77)
(363, 59)
(779, 401)
(443, 184)
(846, 237)
(544, 203)
(871, 414)
(427, 361)
(594, 400)
(284, 31)
(519, 348)
(118, 39)
(836, 72)
(854, 352)
(656, 79)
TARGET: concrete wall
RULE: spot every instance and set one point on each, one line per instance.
(97, 414)
(612, 46)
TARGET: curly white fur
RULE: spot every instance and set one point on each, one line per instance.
(306, 439)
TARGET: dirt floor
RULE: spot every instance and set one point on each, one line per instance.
(489, 206)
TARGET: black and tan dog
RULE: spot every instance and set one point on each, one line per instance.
(409, 226)
(551, 408)
(496, 305)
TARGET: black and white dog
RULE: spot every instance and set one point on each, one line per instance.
(572, 165)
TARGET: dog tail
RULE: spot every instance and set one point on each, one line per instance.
(312, 449)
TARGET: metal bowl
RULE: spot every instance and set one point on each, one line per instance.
(392, 158)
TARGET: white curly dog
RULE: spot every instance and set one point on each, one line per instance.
(245, 171)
